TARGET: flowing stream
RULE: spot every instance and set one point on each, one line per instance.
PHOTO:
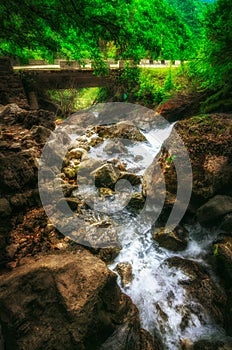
(155, 287)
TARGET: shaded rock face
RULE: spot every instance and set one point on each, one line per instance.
(23, 134)
(67, 301)
(214, 209)
(208, 143)
(200, 287)
(18, 172)
(12, 114)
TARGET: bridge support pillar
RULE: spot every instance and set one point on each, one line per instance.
(33, 101)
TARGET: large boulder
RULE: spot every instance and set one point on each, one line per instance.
(208, 144)
(175, 239)
(180, 107)
(67, 301)
(214, 209)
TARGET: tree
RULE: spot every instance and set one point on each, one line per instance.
(215, 64)
(65, 27)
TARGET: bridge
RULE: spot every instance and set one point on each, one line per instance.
(14, 80)
(71, 74)
(65, 79)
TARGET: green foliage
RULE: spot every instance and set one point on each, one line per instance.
(170, 159)
(72, 100)
(215, 250)
(213, 69)
(93, 29)
(129, 77)
(157, 85)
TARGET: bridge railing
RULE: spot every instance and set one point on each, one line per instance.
(87, 64)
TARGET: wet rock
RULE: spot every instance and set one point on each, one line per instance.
(125, 338)
(106, 192)
(40, 134)
(215, 344)
(186, 344)
(5, 208)
(76, 153)
(134, 179)
(70, 172)
(87, 166)
(53, 191)
(136, 202)
(78, 285)
(202, 289)
(124, 269)
(175, 240)
(223, 254)
(115, 147)
(121, 130)
(215, 208)
(102, 238)
(106, 176)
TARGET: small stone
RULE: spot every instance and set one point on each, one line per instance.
(49, 227)
(61, 245)
(105, 191)
(124, 269)
(76, 153)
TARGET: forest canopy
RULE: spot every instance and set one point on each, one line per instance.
(74, 29)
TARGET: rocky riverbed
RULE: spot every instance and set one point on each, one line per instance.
(47, 271)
